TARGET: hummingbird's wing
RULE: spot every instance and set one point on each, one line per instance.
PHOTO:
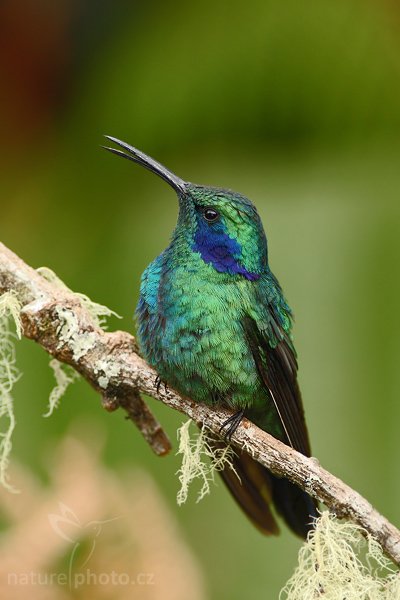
(256, 488)
(276, 363)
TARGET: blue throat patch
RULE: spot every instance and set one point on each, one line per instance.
(218, 248)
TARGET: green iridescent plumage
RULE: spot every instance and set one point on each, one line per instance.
(213, 322)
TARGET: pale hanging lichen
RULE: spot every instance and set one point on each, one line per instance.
(340, 560)
(200, 460)
(9, 310)
(64, 376)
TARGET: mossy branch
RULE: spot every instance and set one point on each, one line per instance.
(59, 321)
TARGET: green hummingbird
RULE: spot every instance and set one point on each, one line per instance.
(213, 322)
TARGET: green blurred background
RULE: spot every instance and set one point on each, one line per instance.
(296, 105)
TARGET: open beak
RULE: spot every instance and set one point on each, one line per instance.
(147, 162)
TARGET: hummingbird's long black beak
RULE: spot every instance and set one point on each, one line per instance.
(147, 162)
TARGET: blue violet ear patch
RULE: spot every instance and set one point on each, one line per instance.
(215, 246)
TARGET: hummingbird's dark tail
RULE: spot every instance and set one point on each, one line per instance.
(255, 489)
(298, 509)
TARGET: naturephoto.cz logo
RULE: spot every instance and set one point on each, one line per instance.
(83, 578)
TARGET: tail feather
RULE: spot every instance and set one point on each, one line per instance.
(250, 485)
(255, 489)
(296, 507)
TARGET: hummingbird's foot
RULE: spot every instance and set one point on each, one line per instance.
(158, 381)
(231, 425)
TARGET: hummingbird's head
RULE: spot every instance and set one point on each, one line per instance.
(221, 225)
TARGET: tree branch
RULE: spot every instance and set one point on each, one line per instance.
(56, 319)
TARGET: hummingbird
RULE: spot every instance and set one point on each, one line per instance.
(214, 323)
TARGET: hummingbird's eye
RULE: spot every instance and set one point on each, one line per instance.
(210, 214)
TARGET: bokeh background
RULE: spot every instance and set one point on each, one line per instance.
(296, 105)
